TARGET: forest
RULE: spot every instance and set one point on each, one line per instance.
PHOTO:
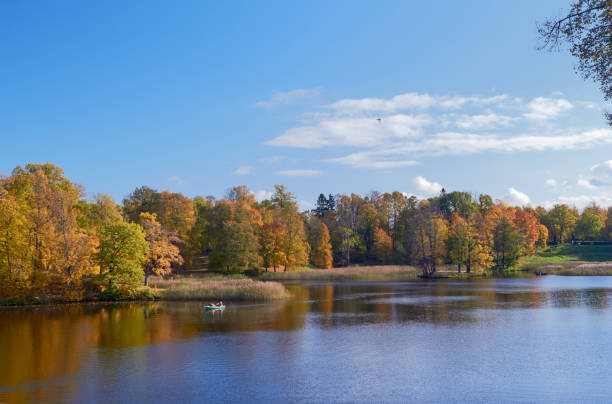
(55, 241)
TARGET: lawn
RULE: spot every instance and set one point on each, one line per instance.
(568, 252)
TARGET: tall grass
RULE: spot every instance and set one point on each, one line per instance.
(356, 273)
(218, 288)
(570, 268)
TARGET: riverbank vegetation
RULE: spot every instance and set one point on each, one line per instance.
(217, 288)
(355, 273)
(55, 242)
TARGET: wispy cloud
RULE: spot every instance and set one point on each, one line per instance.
(298, 173)
(357, 132)
(244, 170)
(371, 160)
(410, 101)
(398, 131)
(280, 98)
(542, 109)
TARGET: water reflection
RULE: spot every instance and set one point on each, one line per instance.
(40, 348)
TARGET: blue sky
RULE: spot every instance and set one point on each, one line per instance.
(200, 96)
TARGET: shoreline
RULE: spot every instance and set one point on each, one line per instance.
(268, 286)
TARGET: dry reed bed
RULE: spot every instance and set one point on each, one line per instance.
(575, 268)
(365, 273)
(218, 289)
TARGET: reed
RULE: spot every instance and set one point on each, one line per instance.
(187, 288)
(355, 273)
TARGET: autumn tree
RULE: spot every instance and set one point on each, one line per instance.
(382, 250)
(176, 213)
(271, 240)
(163, 251)
(430, 237)
(560, 221)
(101, 210)
(294, 245)
(143, 199)
(321, 252)
(14, 247)
(542, 235)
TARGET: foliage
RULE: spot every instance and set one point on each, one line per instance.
(53, 241)
(322, 250)
(163, 244)
(586, 29)
(122, 253)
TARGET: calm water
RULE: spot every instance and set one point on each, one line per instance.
(515, 340)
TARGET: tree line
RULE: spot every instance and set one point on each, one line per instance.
(52, 239)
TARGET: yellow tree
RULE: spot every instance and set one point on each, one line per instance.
(271, 240)
(383, 247)
(322, 250)
(163, 250)
(294, 245)
(13, 241)
(176, 213)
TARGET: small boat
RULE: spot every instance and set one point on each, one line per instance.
(211, 307)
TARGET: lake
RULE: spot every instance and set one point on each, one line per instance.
(545, 339)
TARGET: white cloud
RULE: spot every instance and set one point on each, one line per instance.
(601, 175)
(262, 195)
(542, 109)
(279, 99)
(551, 182)
(298, 173)
(244, 170)
(410, 101)
(484, 121)
(426, 187)
(370, 160)
(516, 197)
(585, 183)
(396, 132)
(580, 201)
(356, 132)
(469, 143)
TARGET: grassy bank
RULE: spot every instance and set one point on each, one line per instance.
(356, 273)
(217, 288)
(568, 252)
(205, 288)
(567, 259)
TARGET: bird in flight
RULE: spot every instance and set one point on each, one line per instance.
(379, 119)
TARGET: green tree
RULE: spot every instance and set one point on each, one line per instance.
(143, 199)
(589, 226)
(236, 243)
(560, 221)
(507, 243)
(122, 253)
